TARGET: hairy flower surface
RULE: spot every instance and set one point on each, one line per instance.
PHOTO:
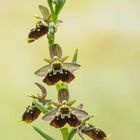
(65, 114)
(94, 133)
(37, 32)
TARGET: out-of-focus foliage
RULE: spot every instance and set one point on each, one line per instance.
(106, 34)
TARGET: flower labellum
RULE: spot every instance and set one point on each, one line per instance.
(37, 32)
(94, 133)
(65, 116)
(59, 121)
(31, 114)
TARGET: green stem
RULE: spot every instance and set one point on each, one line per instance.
(51, 40)
(51, 35)
(55, 18)
(71, 134)
(64, 132)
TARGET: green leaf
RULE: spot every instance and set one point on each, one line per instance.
(45, 12)
(40, 106)
(58, 6)
(51, 8)
(64, 132)
(71, 134)
(44, 135)
(74, 59)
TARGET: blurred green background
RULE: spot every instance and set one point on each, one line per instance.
(107, 34)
